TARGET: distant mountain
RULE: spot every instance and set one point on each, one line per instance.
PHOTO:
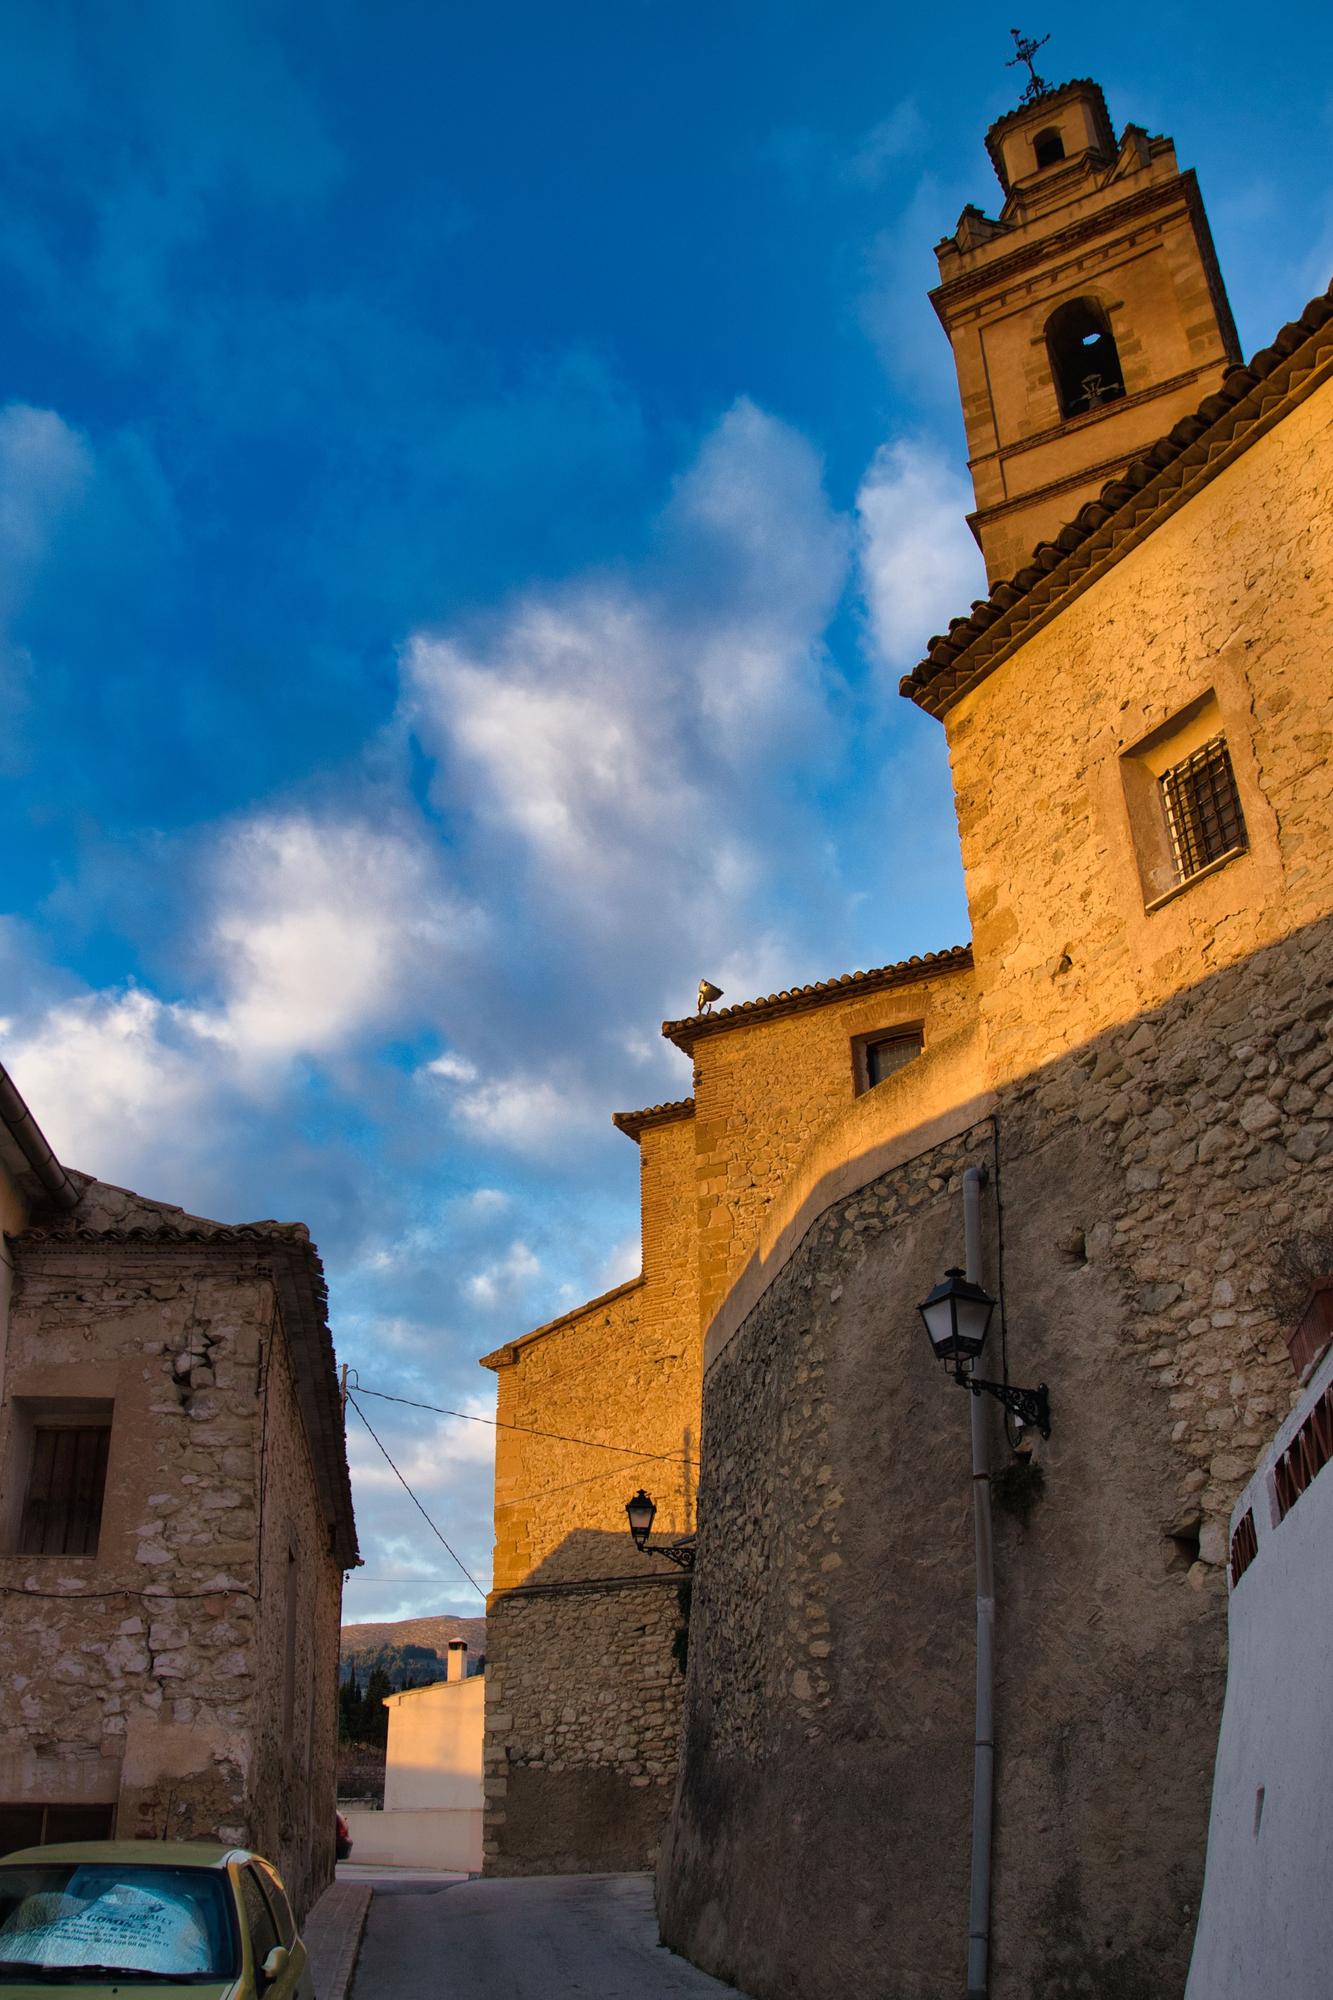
(409, 1649)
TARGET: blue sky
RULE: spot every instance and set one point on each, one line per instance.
(469, 482)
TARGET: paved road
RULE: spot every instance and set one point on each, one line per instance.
(552, 1937)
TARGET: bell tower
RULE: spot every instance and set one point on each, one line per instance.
(1085, 319)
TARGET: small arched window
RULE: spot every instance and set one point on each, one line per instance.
(1048, 147)
(1085, 362)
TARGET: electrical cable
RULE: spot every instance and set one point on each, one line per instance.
(411, 1495)
(499, 1423)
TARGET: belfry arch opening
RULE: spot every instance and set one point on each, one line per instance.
(1085, 362)
(1048, 147)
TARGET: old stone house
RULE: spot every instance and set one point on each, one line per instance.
(1136, 1051)
(175, 1520)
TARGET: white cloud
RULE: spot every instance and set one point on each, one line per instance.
(46, 469)
(505, 1277)
(452, 1068)
(919, 563)
(530, 1114)
(621, 1263)
(447, 1452)
(321, 930)
(113, 1078)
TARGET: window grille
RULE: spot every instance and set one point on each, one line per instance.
(1244, 1546)
(62, 1511)
(1203, 811)
(889, 1053)
(1306, 1456)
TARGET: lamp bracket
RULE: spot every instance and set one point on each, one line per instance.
(1030, 1406)
(679, 1553)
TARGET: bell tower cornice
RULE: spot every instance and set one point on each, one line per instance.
(1085, 318)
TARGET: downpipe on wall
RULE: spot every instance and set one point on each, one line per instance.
(983, 1756)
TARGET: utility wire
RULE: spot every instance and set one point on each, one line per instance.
(499, 1423)
(410, 1494)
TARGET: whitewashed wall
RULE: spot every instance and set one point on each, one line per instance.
(1266, 1918)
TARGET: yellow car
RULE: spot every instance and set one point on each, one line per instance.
(141, 1918)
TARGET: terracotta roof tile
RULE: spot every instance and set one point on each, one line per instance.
(634, 1122)
(1161, 479)
(955, 958)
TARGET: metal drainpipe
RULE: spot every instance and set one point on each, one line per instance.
(983, 1765)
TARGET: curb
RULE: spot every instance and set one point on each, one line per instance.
(332, 1936)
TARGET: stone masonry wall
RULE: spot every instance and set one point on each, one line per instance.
(763, 1089)
(583, 1696)
(136, 1676)
(1233, 594)
(1163, 1197)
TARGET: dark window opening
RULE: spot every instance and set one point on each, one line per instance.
(39, 1826)
(62, 1509)
(1085, 361)
(1048, 147)
(1203, 812)
(882, 1055)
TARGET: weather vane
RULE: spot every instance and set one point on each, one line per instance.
(1027, 48)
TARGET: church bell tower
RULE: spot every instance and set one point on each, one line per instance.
(1085, 319)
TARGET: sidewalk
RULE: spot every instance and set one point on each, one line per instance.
(332, 1935)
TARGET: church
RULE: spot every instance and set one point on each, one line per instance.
(1110, 1114)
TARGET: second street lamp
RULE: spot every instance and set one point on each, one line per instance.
(641, 1512)
(957, 1318)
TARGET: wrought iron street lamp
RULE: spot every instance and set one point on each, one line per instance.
(642, 1511)
(957, 1317)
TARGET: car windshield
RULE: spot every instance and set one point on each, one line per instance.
(115, 1917)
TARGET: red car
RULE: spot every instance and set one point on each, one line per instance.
(343, 1845)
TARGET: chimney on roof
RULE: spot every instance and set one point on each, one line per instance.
(456, 1661)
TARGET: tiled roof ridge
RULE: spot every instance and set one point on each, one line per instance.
(69, 1229)
(634, 1122)
(794, 998)
(1192, 445)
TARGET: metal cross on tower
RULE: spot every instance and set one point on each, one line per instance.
(1026, 49)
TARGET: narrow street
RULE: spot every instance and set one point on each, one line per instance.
(549, 1937)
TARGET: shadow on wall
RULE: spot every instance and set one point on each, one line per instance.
(1163, 1203)
(583, 1711)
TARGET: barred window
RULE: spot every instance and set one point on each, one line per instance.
(878, 1056)
(62, 1509)
(1203, 812)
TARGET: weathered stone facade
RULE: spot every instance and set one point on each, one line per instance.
(1150, 1086)
(183, 1673)
(575, 1607)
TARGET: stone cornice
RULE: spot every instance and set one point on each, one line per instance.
(850, 986)
(1249, 403)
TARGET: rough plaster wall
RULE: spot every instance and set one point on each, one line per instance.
(763, 1090)
(294, 1788)
(1266, 1921)
(1233, 592)
(1165, 1197)
(583, 1723)
(131, 1676)
(582, 1764)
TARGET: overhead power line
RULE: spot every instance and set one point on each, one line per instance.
(410, 1494)
(528, 1430)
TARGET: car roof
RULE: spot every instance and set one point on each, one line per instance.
(143, 1853)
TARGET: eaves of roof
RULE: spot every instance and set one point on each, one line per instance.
(632, 1123)
(1249, 402)
(956, 958)
(505, 1356)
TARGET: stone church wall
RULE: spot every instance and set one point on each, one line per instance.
(1163, 1199)
(149, 1676)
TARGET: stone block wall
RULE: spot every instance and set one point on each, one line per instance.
(583, 1692)
(1231, 595)
(1158, 1204)
(763, 1089)
(148, 1676)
